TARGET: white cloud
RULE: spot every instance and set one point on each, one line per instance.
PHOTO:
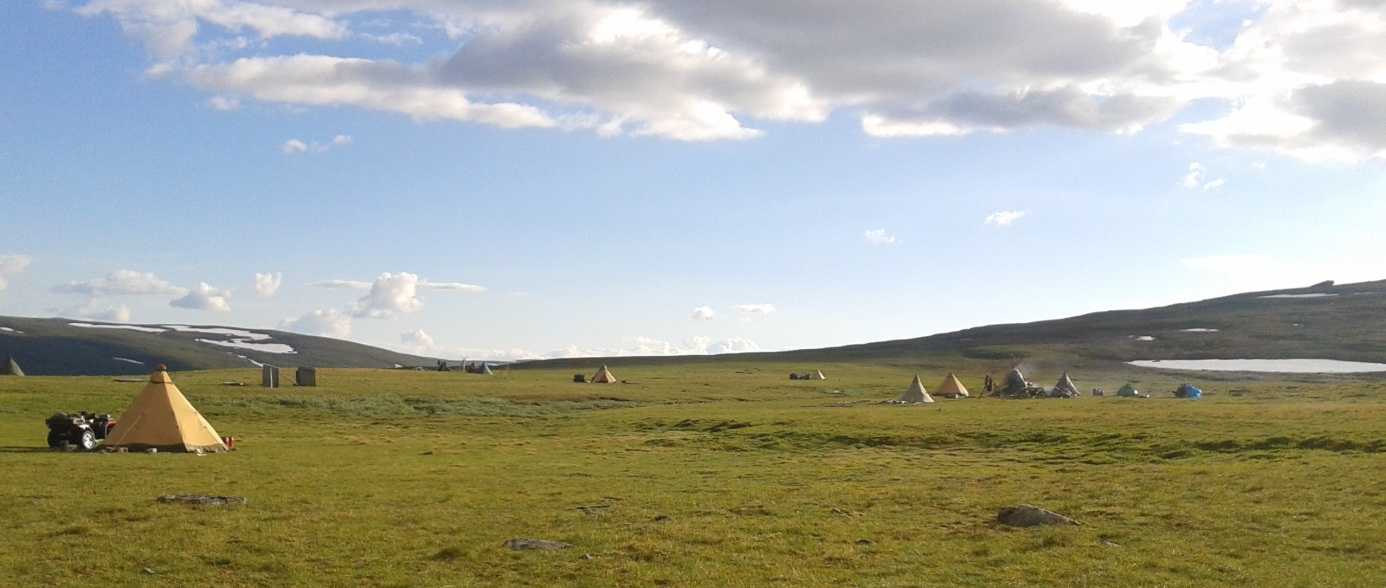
(224, 103)
(703, 313)
(393, 294)
(169, 29)
(123, 282)
(266, 285)
(293, 146)
(1005, 218)
(204, 297)
(645, 346)
(1196, 176)
(12, 265)
(749, 311)
(348, 284)
(1303, 77)
(879, 237)
(98, 310)
(419, 340)
(325, 323)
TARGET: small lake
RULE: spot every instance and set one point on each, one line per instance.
(1287, 366)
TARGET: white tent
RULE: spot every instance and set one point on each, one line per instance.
(915, 394)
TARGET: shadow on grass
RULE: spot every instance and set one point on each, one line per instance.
(30, 449)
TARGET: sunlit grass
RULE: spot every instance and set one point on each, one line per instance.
(703, 476)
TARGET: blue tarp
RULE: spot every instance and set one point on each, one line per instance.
(1188, 391)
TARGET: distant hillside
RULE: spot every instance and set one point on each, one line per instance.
(1325, 321)
(54, 346)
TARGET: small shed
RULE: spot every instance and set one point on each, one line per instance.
(269, 376)
(306, 376)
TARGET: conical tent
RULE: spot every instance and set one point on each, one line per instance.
(1066, 384)
(1015, 383)
(161, 418)
(485, 369)
(915, 393)
(11, 368)
(819, 375)
(603, 377)
(951, 386)
(1127, 391)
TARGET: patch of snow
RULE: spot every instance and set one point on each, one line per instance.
(253, 362)
(264, 347)
(282, 348)
(11, 330)
(1287, 366)
(1143, 338)
(236, 333)
(1198, 330)
(1317, 295)
(128, 360)
(129, 327)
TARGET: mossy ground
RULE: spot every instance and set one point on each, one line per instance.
(386, 478)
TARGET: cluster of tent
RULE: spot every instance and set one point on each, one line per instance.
(1017, 387)
(916, 394)
(817, 375)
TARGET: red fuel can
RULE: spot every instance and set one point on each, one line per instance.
(229, 442)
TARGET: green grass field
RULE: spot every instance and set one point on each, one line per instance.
(708, 474)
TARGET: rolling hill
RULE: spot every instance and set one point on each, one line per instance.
(55, 346)
(1324, 321)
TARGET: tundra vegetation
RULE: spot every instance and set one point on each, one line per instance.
(709, 473)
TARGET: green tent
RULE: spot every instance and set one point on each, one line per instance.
(1128, 391)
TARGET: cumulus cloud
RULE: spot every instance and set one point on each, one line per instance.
(12, 265)
(1195, 178)
(1300, 76)
(123, 282)
(750, 311)
(224, 103)
(646, 346)
(391, 295)
(98, 310)
(324, 323)
(879, 237)
(703, 313)
(204, 297)
(1005, 218)
(295, 146)
(266, 285)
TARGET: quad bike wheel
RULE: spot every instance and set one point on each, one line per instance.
(53, 439)
(62, 445)
(88, 440)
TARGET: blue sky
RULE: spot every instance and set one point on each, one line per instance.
(548, 178)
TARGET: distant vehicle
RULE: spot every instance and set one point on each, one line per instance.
(81, 429)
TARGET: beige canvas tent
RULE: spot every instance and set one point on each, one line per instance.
(11, 368)
(161, 418)
(603, 377)
(485, 369)
(952, 388)
(915, 393)
(1066, 385)
(818, 375)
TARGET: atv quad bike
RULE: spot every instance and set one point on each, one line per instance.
(82, 430)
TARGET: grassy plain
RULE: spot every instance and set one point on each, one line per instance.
(387, 478)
